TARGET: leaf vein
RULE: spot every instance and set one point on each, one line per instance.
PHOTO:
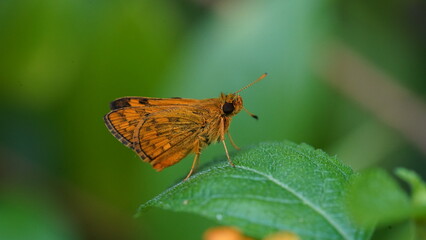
(323, 214)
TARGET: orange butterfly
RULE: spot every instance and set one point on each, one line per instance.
(162, 131)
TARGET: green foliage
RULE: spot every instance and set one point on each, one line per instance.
(274, 186)
(376, 199)
(418, 190)
(63, 61)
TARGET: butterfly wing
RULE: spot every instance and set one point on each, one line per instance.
(161, 131)
(151, 102)
(122, 123)
(166, 137)
(127, 112)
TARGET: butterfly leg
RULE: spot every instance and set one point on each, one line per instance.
(197, 151)
(222, 138)
(227, 154)
(232, 141)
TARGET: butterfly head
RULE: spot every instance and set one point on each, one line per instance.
(231, 104)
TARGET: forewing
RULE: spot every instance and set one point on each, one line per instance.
(122, 123)
(161, 131)
(151, 102)
(165, 137)
(127, 112)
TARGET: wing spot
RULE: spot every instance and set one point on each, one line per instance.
(119, 103)
(143, 101)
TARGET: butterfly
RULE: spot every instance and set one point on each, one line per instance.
(163, 131)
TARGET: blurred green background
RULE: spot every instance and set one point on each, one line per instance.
(344, 76)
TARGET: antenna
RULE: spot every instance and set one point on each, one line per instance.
(251, 114)
(257, 80)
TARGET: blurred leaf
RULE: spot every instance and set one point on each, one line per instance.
(418, 190)
(374, 197)
(274, 186)
(399, 231)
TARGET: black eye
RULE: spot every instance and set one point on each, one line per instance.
(228, 108)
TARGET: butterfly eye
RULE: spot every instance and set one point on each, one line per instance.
(228, 108)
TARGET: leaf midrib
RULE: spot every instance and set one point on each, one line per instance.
(303, 199)
(320, 211)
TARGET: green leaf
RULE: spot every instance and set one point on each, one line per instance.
(274, 186)
(405, 230)
(418, 190)
(376, 198)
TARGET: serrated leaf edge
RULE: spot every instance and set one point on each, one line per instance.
(320, 212)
